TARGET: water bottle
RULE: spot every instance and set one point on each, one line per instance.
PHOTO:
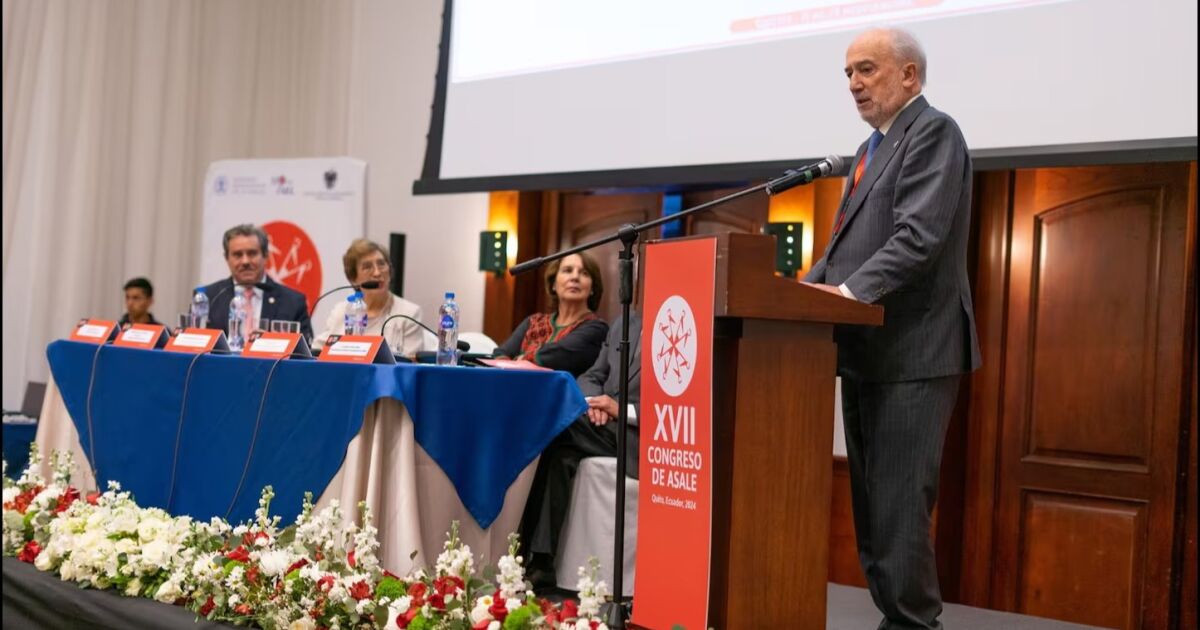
(447, 352)
(198, 316)
(356, 314)
(237, 322)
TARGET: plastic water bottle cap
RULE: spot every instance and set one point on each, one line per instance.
(350, 298)
(449, 295)
(201, 290)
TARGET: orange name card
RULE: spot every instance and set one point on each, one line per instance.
(197, 341)
(356, 349)
(148, 336)
(276, 345)
(94, 330)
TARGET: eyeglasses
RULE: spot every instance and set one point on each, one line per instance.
(368, 267)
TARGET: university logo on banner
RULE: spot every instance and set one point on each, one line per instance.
(675, 492)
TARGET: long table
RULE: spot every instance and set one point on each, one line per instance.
(201, 435)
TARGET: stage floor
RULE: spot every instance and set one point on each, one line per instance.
(850, 608)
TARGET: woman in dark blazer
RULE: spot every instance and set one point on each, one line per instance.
(568, 337)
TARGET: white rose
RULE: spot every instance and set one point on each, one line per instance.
(512, 604)
(168, 592)
(158, 553)
(43, 562)
(134, 586)
(11, 493)
(123, 522)
(150, 528)
(303, 623)
(480, 611)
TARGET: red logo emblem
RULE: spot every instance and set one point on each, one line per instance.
(293, 260)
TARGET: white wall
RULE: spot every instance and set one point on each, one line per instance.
(394, 64)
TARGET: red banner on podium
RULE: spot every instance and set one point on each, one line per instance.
(675, 492)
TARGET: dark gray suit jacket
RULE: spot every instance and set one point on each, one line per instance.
(604, 377)
(903, 245)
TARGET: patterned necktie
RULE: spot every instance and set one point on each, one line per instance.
(248, 307)
(872, 144)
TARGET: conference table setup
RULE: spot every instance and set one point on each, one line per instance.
(202, 435)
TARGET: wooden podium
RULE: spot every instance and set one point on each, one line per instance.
(774, 363)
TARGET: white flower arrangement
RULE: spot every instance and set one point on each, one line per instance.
(323, 571)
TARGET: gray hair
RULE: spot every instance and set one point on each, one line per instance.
(245, 229)
(908, 50)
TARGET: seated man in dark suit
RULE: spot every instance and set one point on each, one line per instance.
(246, 249)
(591, 435)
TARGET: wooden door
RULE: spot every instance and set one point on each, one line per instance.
(1092, 394)
(586, 216)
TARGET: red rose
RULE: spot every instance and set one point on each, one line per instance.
(93, 498)
(418, 591)
(325, 583)
(252, 575)
(360, 590)
(498, 610)
(242, 609)
(21, 502)
(387, 573)
(570, 610)
(549, 611)
(299, 564)
(350, 559)
(448, 585)
(239, 555)
(407, 617)
(29, 552)
(69, 496)
(443, 588)
(483, 624)
(207, 607)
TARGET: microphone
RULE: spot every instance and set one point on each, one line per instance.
(804, 175)
(462, 345)
(369, 284)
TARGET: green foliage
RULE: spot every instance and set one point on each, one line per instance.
(389, 587)
(522, 618)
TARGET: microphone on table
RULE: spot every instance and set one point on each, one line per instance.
(369, 284)
(805, 174)
(462, 345)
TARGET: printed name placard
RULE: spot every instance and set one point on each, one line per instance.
(94, 331)
(197, 341)
(357, 349)
(275, 345)
(147, 336)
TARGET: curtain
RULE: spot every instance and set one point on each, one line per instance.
(112, 110)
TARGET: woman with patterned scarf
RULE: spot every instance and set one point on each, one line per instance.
(569, 337)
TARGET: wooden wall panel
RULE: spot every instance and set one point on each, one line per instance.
(1100, 541)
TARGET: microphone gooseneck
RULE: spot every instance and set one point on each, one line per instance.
(462, 345)
(369, 284)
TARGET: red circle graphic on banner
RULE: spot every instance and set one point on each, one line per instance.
(293, 260)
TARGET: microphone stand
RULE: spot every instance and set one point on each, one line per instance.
(618, 612)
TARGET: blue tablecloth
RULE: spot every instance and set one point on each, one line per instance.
(17, 438)
(149, 416)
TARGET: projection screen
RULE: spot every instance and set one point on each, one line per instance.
(565, 93)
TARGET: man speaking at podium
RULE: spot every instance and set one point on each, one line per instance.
(900, 240)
